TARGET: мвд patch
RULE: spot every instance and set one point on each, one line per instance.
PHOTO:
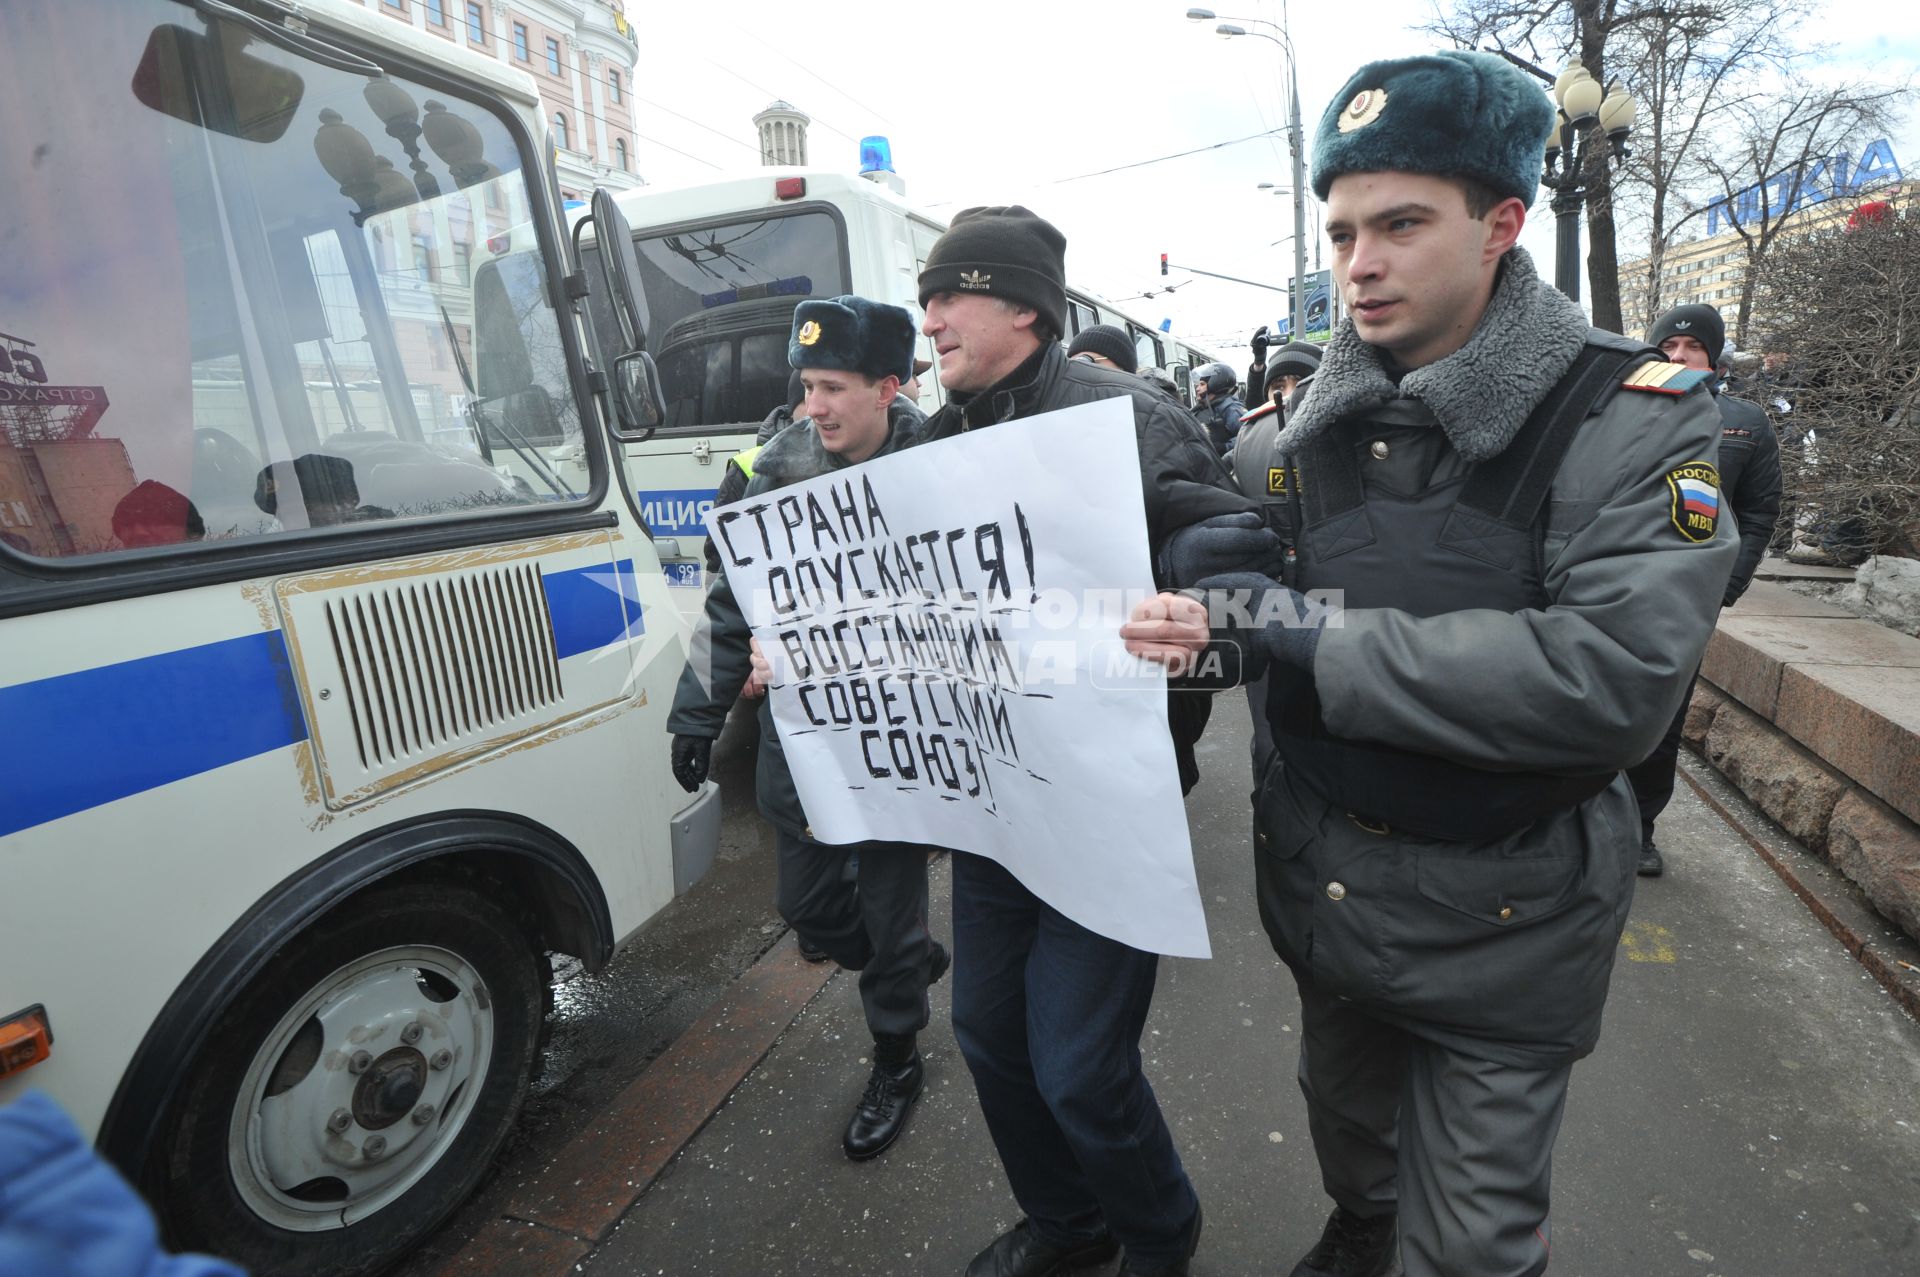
(1695, 489)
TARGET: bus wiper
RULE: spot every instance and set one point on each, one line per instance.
(474, 423)
(339, 386)
(512, 437)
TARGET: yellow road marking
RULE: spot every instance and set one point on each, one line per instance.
(1647, 942)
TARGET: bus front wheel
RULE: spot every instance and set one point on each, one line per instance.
(360, 1087)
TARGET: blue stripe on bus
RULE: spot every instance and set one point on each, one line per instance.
(593, 607)
(95, 736)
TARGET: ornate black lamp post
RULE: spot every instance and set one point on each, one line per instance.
(1586, 113)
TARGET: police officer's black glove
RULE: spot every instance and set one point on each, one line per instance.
(692, 758)
(1260, 343)
(1266, 619)
(1225, 543)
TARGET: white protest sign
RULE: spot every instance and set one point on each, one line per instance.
(943, 625)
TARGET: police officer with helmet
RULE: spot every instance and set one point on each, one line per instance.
(1216, 401)
(1522, 513)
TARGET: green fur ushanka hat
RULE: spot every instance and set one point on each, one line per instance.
(852, 334)
(1452, 113)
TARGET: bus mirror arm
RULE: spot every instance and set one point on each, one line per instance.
(638, 404)
(297, 41)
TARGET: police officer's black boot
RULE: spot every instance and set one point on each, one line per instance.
(1020, 1252)
(1353, 1246)
(896, 1082)
(1652, 864)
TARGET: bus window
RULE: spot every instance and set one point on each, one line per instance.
(1080, 316)
(720, 297)
(238, 306)
(1146, 348)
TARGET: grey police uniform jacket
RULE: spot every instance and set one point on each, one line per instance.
(1500, 948)
(719, 659)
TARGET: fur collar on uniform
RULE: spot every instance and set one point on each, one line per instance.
(1482, 393)
(796, 453)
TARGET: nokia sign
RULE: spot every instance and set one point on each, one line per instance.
(1833, 177)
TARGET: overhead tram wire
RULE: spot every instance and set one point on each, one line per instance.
(1121, 168)
(878, 115)
(775, 97)
(1160, 159)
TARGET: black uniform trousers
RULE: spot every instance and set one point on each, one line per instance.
(1652, 778)
(874, 923)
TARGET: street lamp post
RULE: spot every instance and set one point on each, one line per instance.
(1296, 144)
(1586, 113)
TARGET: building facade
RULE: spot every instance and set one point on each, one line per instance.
(1713, 270)
(580, 52)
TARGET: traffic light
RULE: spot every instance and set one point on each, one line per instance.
(1163, 263)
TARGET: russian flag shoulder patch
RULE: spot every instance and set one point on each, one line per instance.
(1695, 492)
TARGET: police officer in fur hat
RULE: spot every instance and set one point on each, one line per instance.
(1520, 515)
(852, 354)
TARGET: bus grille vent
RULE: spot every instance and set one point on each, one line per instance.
(431, 663)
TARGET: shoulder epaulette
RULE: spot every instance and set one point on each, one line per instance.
(1664, 378)
(1264, 410)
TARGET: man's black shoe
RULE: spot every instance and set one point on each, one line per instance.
(937, 965)
(1651, 865)
(1131, 1267)
(811, 952)
(1354, 1247)
(1019, 1252)
(882, 1112)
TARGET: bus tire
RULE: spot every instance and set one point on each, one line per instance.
(358, 1089)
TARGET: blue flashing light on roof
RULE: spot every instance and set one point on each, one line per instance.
(1166, 325)
(876, 155)
(570, 205)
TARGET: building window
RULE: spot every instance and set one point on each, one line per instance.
(553, 56)
(613, 83)
(395, 4)
(560, 129)
(520, 41)
(423, 257)
(620, 153)
(437, 12)
(476, 23)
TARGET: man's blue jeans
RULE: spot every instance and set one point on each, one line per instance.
(1049, 1015)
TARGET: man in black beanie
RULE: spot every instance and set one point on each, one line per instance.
(1105, 345)
(1047, 1013)
(1749, 461)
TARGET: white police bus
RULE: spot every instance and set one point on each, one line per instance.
(722, 264)
(334, 652)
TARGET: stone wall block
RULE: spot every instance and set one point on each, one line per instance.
(1706, 703)
(1879, 849)
(1790, 785)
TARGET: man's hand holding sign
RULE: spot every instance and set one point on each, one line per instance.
(941, 625)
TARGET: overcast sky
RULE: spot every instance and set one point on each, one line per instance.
(1010, 101)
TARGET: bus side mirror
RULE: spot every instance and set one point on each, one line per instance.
(636, 395)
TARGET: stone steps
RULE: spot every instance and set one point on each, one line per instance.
(1815, 715)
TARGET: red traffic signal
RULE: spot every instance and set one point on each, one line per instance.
(1163, 263)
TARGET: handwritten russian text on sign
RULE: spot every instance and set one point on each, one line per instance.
(943, 625)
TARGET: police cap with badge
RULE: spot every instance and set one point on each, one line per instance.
(852, 334)
(1455, 113)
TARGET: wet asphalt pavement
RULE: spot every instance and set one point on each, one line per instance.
(1753, 1109)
